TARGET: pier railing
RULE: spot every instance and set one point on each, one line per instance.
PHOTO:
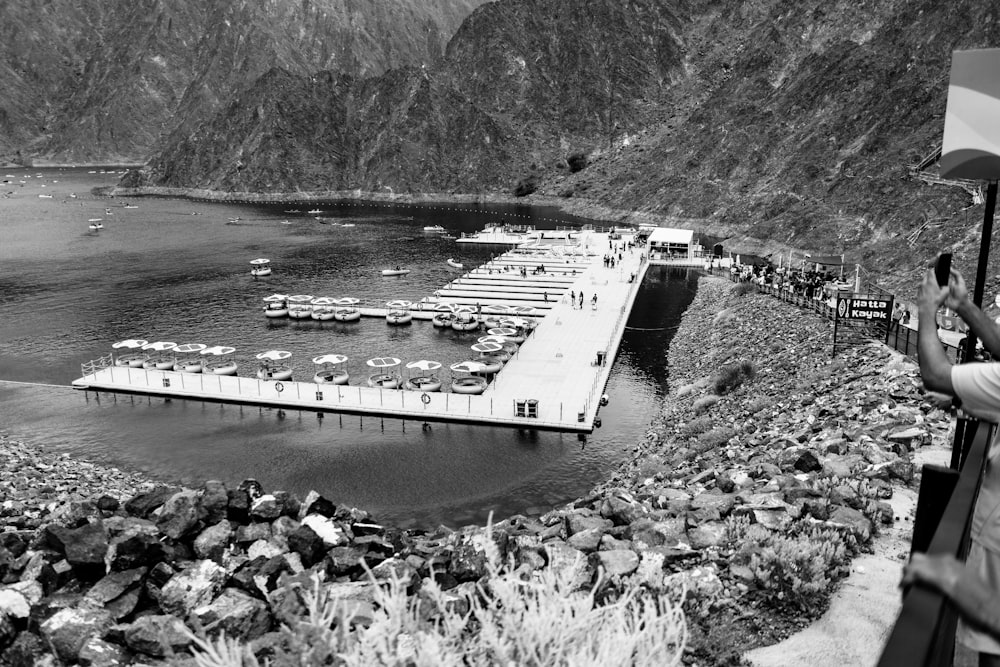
(94, 365)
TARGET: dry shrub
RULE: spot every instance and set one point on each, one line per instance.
(732, 376)
(714, 438)
(704, 403)
(697, 426)
(723, 318)
(742, 289)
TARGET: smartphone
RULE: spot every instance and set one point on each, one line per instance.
(942, 268)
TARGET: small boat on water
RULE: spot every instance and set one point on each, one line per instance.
(130, 206)
(330, 369)
(219, 360)
(465, 321)
(159, 356)
(510, 334)
(274, 365)
(189, 359)
(96, 224)
(455, 265)
(261, 267)
(315, 211)
(323, 308)
(300, 306)
(443, 320)
(467, 381)
(385, 379)
(131, 359)
(277, 305)
(434, 228)
(45, 196)
(424, 380)
(398, 271)
(347, 310)
(399, 312)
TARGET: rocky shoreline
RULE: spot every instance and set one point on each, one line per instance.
(767, 470)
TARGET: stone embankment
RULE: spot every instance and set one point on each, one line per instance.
(767, 470)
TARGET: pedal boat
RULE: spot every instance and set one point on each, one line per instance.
(219, 360)
(189, 359)
(274, 365)
(331, 370)
(131, 359)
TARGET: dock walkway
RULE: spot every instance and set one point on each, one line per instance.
(554, 381)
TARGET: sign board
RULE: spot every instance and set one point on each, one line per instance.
(859, 307)
(859, 318)
(971, 144)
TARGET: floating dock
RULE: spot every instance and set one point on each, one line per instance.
(554, 381)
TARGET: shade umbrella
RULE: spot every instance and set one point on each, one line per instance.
(260, 261)
(424, 365)
(445, 307)
(275, 298)
(383, 362)
(159, 346)
(399, 304)
(301, 298)
(190, 348)
(330, 359)
(523, 310)
(324, 301)
(493, 339)
(486, 347)
(348, 301)
(465, 309)
(502, 331)
(469, 367)
(274, 355)
(131, 343)
(218, 350)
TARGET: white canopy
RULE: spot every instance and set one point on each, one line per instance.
(502, 332)
(274, 355)
(260, 262)
(219, 350)
(301, 298)
(348, 301)
(488, 346)
(493, 338)
(190, 348)
(131, 343)
(159, 346)
(424, 365)
(383, 362)
(324, 301)
(330, 359)
(524, 310)
(399, 303)
(469, 367)
(275, 298)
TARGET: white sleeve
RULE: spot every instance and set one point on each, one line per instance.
(978, 387)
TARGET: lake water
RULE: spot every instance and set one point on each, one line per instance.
(178, 270)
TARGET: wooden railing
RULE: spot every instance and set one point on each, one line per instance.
(924, 632)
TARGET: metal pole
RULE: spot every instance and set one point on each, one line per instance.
(984, 256)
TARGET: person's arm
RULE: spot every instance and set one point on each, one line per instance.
(979, 323)
(935, 370)
(975, 599)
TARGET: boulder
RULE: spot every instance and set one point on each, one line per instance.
(144, 504)
(211, 543)
(326, 529)
(191, 588)
(578, 520)
(266, 508)
(180, 515)
(156, 635)
(307, 544)
(236, 613)
(620, 563)
(586, 540)
(214, 501)
(569, 563)
(97, 652)
(69, 629)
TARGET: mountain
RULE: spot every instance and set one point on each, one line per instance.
(105, 80)
(771, 123)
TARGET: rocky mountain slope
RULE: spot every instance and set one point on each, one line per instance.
(104, 81)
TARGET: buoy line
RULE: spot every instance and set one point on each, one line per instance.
(37, 384)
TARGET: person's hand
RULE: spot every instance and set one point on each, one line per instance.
(941, 571)
(958, 293)
(931, 296)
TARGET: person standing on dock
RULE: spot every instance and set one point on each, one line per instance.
(581, 299)
(572, 298)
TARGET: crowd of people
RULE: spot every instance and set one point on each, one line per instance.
(811, 284)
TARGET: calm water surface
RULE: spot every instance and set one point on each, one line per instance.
(179, 270)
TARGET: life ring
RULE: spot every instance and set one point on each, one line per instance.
(425, 398)
(278, 387)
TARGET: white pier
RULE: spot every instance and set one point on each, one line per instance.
(554, 381)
